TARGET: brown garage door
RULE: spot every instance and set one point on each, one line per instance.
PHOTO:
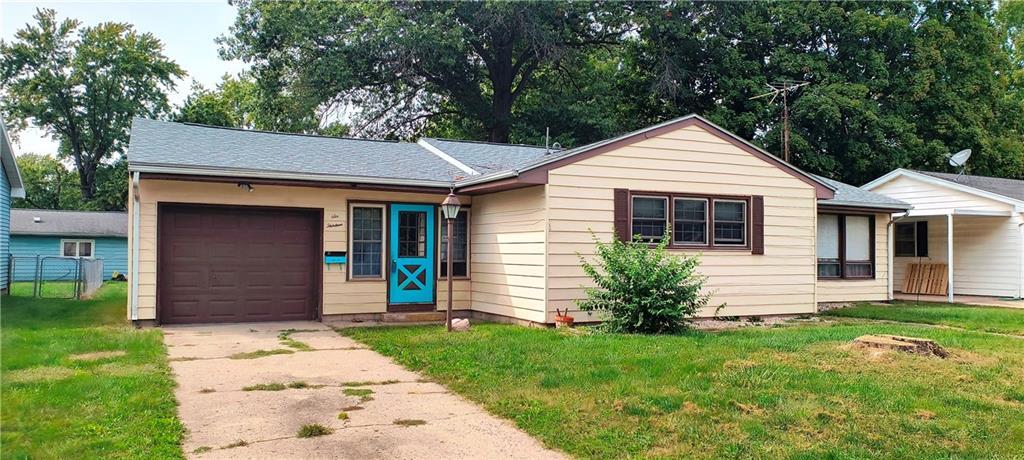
(233, 264)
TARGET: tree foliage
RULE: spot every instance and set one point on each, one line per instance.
(84, 86)
(892, 84)
(396, 64)
(50, 184)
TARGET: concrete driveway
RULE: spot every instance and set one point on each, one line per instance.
(400, 416)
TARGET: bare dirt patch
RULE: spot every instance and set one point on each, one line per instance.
(97, 355)
(40, 374)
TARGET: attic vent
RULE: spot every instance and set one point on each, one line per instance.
(37, 219)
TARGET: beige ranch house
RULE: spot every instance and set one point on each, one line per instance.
(232, 225)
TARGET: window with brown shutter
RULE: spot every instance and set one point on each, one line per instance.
(693, 220)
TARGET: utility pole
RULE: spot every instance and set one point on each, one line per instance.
(783, 88)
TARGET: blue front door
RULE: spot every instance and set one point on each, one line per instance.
(411, 278)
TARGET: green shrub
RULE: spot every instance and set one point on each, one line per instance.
(644, 289)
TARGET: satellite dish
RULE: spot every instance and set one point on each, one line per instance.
(959, 159)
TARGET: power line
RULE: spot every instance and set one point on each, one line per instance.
(783, 87)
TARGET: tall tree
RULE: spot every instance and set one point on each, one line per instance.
(84, 86)
(232, 103)
(393, 65)
(48, 184)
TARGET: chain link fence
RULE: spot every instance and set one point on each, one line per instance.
(54, 277)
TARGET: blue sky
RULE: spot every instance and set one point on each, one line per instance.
(187, 29)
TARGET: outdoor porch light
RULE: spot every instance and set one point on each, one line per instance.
(450, 206)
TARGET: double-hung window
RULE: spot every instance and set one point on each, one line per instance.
(845, 245)
(76, 248)
(650, 217)
(367, 239)
(730, 223)
(690, 222)
(460, 246)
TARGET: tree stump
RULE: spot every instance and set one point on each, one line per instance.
(914, 345)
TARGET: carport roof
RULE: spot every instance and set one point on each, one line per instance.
(850, 196)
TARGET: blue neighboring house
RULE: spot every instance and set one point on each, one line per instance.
(10, 187)
(37, 232)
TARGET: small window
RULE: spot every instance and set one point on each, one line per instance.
(858, 247)
(650, 217)
(460, 248)
(367, 241)
(730, 222)
(911, 239)
(828, 246)
(691, 221)
(76, 248)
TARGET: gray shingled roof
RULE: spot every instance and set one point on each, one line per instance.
(68, 223)
(1010, 188)
(166, 144)
(848, 195)
(488, 157)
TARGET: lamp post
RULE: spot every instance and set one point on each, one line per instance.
(450, 207)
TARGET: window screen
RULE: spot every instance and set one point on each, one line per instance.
(730, 222)
(367, 242)
(691, 221)
(650, 217)
(460, 248)
(858, 246)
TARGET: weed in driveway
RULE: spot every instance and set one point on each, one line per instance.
(362, 393)
(409, 422)
(207, 390)
(313, 430)
(265, 387)
(202, 450)
(343, 415)
(285, 336)
(260, 353)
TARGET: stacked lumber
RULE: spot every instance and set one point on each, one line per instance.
(928, 279)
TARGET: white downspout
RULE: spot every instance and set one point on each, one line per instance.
(135, 248)
(949, 257)
(1020, 287)
(890, 265)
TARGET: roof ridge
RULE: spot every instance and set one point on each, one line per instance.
(506, 144)
(283, 133)
(922, 171)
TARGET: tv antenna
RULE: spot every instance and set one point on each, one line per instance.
(783, 88)
(959, 160)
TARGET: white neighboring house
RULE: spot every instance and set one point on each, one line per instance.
(975, 221)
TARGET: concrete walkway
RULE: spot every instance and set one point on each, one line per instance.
(962, 299)
(403, 417)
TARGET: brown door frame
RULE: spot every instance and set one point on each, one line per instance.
(317, 260)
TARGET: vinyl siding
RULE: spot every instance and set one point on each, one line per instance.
(340, 295)
(507, 235)
(987, 251)
(688, 160)
(113, 251)
(875, 289)
(5, 226)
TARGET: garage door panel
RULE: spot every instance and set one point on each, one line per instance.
(220, 264)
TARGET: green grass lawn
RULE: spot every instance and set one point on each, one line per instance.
(991, 319)
(57, 406)
(784, 392)
(48, 289)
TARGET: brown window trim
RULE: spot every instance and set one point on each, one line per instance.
(872, 236)
(709, 219)
(469, 244)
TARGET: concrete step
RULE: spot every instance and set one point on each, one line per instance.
(414, 317)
